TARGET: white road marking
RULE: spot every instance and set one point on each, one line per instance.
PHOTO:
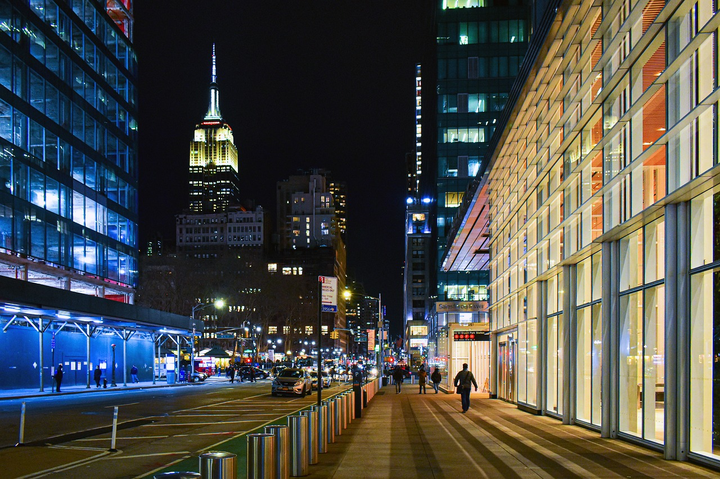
(200, 423)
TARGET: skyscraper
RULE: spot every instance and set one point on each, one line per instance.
(480, 46)
(68, 137)
(214, 182)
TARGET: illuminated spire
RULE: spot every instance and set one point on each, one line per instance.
(214, 109)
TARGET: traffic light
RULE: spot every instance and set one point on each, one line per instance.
(334, 335)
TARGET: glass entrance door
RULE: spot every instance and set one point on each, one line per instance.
(506, 355)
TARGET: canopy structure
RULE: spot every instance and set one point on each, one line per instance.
(215, 352)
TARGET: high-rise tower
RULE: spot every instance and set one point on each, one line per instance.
(214, 183)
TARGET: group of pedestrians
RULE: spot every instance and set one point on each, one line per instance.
(463, 382)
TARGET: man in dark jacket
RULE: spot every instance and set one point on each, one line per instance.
(465, 380)
(398, 379)
(58, 376)
(435, 377)
(97, 375)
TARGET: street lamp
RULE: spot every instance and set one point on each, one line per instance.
(219, 304)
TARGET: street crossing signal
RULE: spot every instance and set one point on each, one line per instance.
(334, 335)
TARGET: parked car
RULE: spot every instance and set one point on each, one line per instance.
(325, 378)
(198, 377)
(292, 381)
(244, 373)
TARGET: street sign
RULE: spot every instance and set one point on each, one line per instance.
(224, 336)
(329, 294)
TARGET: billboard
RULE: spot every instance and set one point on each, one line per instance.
(329, 293)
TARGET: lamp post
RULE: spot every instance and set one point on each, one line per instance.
(112, 383)
(219, 304)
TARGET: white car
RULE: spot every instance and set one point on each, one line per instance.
(292, 381)
(326, 379)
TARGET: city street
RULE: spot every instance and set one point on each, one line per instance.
(69, 436)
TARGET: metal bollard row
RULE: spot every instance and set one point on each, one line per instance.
(282, 450)
(299, 456)
(218, 465)
(261, 461)
(330, 416)
(322, 424)
(312, 438)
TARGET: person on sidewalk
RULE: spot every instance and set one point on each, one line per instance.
(435, 377)
(97, 375)
(398, 379)
(134, 373)
(231, 373)
(422, 380)
(464, 380)
(58, 377)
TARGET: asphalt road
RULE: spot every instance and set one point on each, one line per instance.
(69, 436)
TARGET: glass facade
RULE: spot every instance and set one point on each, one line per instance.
(68, 130)
(605, 219)
(479, 50)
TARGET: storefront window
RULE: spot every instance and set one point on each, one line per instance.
(554, 381)
(705, 326)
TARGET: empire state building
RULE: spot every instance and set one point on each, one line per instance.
(214, 182)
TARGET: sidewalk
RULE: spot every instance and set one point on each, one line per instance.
(409, 435)
(7, 394)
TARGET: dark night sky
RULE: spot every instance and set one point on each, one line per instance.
(325, 84)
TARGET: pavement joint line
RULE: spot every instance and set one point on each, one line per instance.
(539, 443)
(457, 443)
(578, 437)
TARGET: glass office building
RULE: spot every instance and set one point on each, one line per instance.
(68, 145)
(605, 219)
(480, 46)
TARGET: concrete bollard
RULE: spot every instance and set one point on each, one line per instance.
(352, 405)
(299, 464)
(313, 449)
(322, 424)
(330, 415)
(218, 465)
(282, 449)
(261, 456)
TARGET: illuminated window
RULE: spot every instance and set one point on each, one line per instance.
(453, 199)
(287, 270)
(272, 329)
(308, 330)
(286, 329)
(324, 330)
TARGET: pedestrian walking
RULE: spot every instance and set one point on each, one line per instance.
(134, 373)
(58, 377)
(252, 374)
(398, 377)
(436, 377)
(97, 375)
(422, 380)
(464, 380)
(232, 375)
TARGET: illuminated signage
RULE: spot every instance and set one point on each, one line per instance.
(460, 306)
(471, 336)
